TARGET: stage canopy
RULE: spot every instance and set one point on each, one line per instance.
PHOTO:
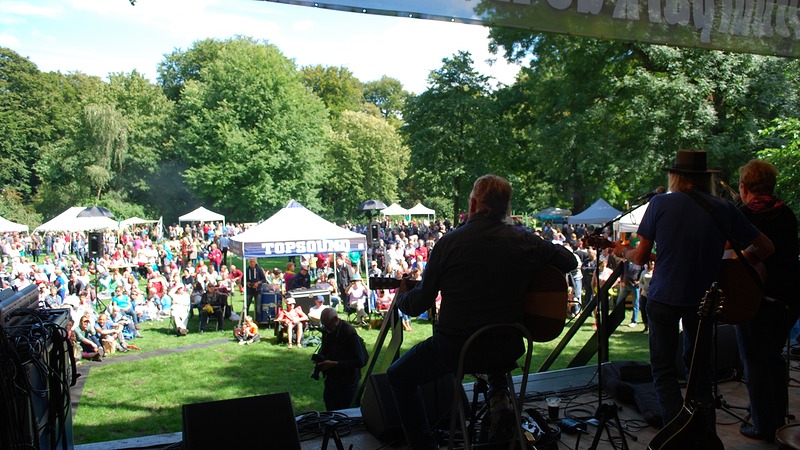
(421, 210)
(767, 28)
(394, 210)
(7, 226)
(629, 223)
(294, 230)
(69, 221)
(600, 212)
(202, 215)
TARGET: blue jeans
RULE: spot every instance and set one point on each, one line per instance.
(664, 340)
(578, 289)
(623, 293)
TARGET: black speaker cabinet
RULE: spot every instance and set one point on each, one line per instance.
(727, 364)
(380, 412)
(222, 424)
(95, 244)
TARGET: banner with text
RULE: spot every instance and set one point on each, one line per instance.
(289, 248)
(770, 27)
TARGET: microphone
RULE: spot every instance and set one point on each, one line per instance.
(734, 195)
(649, 195)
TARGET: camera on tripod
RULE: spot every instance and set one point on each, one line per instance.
(317, 358)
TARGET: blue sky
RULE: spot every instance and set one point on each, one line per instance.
(99, 37)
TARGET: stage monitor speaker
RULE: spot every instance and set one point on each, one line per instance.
(250, 422)
(95, 244)
(728, 364)
(380, 411)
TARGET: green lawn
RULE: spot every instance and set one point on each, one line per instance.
(123, 399)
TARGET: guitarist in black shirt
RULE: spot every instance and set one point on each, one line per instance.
(762, 339)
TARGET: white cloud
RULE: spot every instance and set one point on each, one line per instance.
(28, 9)
(10, 41)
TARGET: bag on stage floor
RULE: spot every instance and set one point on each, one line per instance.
(631, 382)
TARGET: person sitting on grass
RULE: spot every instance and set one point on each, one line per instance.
(112, 332)
(293, 318)
(123, 301)
(247, 333)
(88, 339)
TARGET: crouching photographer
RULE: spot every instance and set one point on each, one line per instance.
(340, 359)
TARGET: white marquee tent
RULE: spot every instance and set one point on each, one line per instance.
(600, 212)
(202, 214)
(7, 226)
(629, 223)
(69, 221)
(394, 210)
(421, 210)
(294, 230)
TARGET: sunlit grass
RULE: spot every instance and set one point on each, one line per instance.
(128, 398)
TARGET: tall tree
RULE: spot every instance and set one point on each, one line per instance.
(249, 131)
(451, 131)
(389, 96)
(338, 88)
(368, 160)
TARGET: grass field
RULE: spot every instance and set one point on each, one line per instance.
(125, 397)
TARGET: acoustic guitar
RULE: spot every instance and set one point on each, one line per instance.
(544, 306)
(689, 431)
(742, 284)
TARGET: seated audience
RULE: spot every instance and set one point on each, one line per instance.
(212, 304)
(111, 332)
(323, 283)
(88, 339)
(293, 318)
(180, 309)
(357, 295)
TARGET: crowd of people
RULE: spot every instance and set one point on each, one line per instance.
(187, 269)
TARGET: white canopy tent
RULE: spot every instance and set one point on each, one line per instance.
(599, 213)
(421, 210)
(394, 210)
(629, 223)
(294, 230)
(135, 221)
(69, 221)
(7, 226)
(202, 214)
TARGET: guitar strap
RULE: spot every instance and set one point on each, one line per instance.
(721, 225)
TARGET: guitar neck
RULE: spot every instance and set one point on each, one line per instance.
(390, 283)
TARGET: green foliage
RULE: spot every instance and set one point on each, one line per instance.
(388, 96)
(251, 134)
(14, 209)
(367, 160)
(452, 132)
(786, 158)
(336, 86)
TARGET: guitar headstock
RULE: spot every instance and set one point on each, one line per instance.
(712, 302)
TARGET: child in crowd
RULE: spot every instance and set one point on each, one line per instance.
(247, 333)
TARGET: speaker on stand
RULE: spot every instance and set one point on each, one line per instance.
(95, 244)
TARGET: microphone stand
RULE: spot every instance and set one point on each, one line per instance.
(608, 411)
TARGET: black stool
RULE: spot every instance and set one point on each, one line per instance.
(459, 408)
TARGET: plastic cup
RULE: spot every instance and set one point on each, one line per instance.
(553, 404)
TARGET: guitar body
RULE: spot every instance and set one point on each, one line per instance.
(687, 431)
(545, 305)
(742, 294)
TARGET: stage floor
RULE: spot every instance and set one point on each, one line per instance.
(579, 393)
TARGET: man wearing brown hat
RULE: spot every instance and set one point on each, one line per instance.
(690, 247)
